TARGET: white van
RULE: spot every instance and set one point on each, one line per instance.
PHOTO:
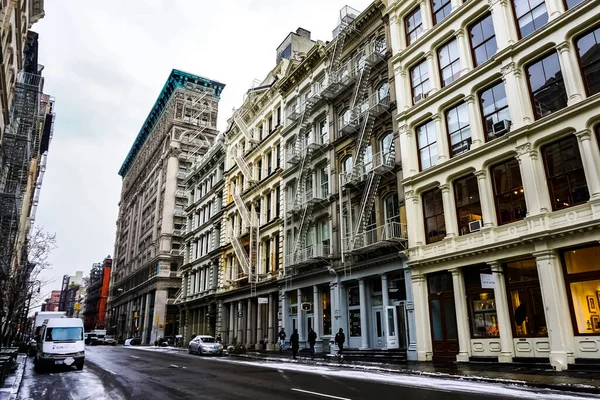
(60, 342)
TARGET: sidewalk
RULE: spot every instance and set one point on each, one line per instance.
(541, 378)
(11, 386)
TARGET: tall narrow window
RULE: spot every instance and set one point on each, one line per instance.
(414, 25)
(386, 144)
(547, 85)
(531, 15)
(433, 212)
(468, 207)
(419, 78)
(427, 143)
(392, 208)
(368, 159)
(564, 172)
(441, 9)
(588, 50)
(483, 39)
(383, 93)
(324, 131)
(459, 130)
(324, 183)
(509, 195)
(494, 108)
(278, 116)
(449, 62)
(268, 201)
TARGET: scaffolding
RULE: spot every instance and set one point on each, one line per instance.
(17, 151)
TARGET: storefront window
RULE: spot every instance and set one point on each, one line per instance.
(582, 275)
(481, 303)
(525, 298)
(354, 323)
(293, 300)
(396, 286)
(326, 312)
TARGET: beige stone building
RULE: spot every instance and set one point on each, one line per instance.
(498, 111)
(145, 279)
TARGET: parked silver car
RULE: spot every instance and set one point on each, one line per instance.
(205, 345)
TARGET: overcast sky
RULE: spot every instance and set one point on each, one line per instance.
(106, 62)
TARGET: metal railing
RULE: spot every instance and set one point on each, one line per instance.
(309, 253)
(390, 231)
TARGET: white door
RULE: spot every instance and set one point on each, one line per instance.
(391, 327)
(378, 329)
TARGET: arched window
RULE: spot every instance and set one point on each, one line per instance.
(347, 164)
(383, 92)
(386, 146)
(391, 207)
(344, 118)
(360, 61)
(380, 45)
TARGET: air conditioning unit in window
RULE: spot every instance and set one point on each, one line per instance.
(475, 226)
(419, 97)
(500, 128)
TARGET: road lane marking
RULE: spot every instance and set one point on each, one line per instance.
(174, 366)
(108, 370)
(136, 357)
(320, 394)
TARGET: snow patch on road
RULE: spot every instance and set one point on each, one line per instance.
(428, 382)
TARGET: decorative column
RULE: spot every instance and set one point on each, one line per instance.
(558, 317)
(462, 320)
(570, 72)
(530, 184)
(385, 294)
(441, 138)
(270, 335)
(259, 330)
(501, 299)
(414, 212)
(403, 96)
(434, 76)
(232, 313)
(284, 313)
(300, 316)
(504, 23)
(426, 15)
(455, 4)
(449, 211)
(591, 161)
(364, 337)
(240, 322)
(485, 198)
(464, 50)
(317, 314)
(519, 105)
(423, 328)
(554, 8)
(477, 131)
(395, 35)
(249, 324)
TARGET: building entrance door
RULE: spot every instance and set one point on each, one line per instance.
(378, 328)
(442, 314)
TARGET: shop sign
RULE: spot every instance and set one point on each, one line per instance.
(488, 281)
(263, 300)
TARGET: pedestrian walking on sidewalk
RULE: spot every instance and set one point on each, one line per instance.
(295, 342)
(312, 339)
(340, 339)
(282, 337)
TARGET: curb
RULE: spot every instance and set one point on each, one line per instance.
(14, 392)
(374, 367)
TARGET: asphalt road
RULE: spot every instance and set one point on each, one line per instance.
(130, 373)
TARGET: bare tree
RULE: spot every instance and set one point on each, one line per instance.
(17, 288)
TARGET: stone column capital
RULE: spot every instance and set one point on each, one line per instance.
(583, 135)
(563, 47)
(459, 33)
(455, 271)
(436, 117)
(545, 255)
(417, 278)
(469, 99)
(384, 277)
(445, 188)
(495, 266)
(429, 57)
(481, 174)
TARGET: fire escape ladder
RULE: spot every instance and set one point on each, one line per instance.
(361, 86)
(244, 167)
(363, 142)
(240, 253)
(237, 199)
(367, 202)
(244, 128)
(254, 256)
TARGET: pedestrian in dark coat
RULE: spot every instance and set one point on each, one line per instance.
(312, 339)
(340, 339)
(295, 341)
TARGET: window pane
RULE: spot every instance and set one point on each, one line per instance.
(585, 297)
(583, 260)
(433, 210)
(588, 49)
(508, 192)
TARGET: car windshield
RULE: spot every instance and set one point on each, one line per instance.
(208, 340)
(63, 334)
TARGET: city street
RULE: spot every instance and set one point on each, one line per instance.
(135, 373)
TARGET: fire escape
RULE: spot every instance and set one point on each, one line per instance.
(364, 111)
(248, 260)
(17, 152)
